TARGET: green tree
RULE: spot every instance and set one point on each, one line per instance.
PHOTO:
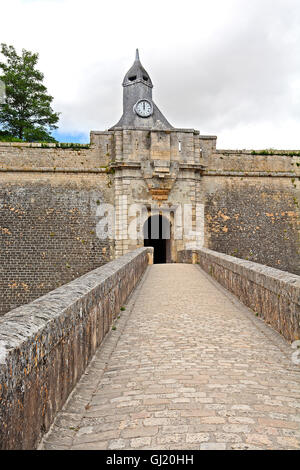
(26, 113)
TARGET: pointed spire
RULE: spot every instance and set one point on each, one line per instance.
(137, 73)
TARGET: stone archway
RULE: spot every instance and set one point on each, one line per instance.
(157, 233)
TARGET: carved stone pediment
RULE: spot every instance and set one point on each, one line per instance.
(160, 176)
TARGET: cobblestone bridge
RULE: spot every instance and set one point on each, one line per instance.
(185, 367)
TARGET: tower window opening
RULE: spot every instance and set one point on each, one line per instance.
(145, 78)
(131, 79)
(179, 145)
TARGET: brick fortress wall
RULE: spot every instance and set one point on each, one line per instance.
(48, 203)
(252, 206)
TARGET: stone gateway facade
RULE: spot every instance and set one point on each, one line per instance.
(157, 185)
(230, 201)
(157, 172)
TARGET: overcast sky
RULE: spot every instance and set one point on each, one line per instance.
(230, 68)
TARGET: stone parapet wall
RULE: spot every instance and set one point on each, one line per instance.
(272, 294)
(248, 162)
(19, 156)
(46, 345)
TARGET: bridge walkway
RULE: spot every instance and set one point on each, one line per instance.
(186, 367)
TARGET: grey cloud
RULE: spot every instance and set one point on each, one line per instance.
(242, 76)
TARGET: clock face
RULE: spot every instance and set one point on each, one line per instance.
(143, 108)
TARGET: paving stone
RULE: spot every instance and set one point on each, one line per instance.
(93, 436)
(117, 444)
(197, 437)
(276, 423)
(288, 442)
(140, 442)
(156, 421)
(213, 446)
(259, 439)
(169, 438)
(191, 413)
(228, 437)
(91, 446)
(139, 432)
(213, 420)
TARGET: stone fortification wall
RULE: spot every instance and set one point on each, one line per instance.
(48, 217)
(252, 205)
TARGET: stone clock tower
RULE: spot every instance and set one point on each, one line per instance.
(139, 110)
(156, 174)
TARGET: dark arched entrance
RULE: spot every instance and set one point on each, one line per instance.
(157, 234)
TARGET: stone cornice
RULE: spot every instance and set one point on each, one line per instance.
(153, 129)
(51, 170)
(278, 174)
(182, 166)
(192, 166)
(122, 165)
